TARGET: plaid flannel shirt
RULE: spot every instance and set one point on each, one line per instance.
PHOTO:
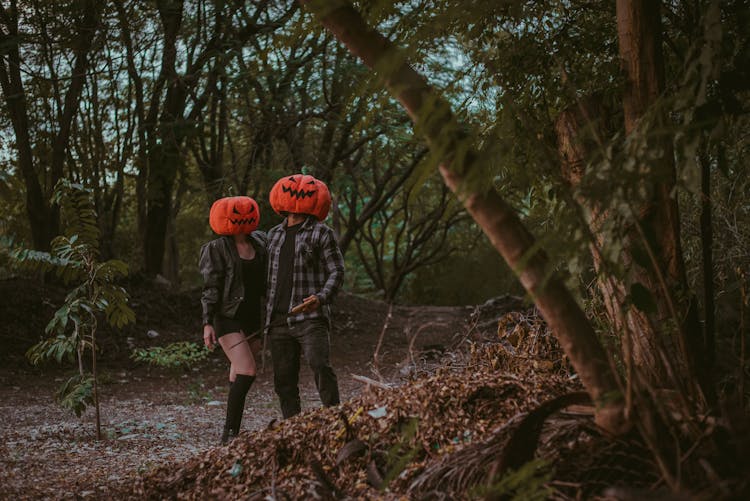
(318, 267)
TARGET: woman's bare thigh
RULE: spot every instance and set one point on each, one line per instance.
(239, 353)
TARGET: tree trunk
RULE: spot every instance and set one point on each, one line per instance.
(141, 159)
(434, 119)
(44, 217)
(171, 267)
(657, 227)
(95, 376)
(164, 157)
(579, 130)
(163, 166)
(43, 222)
(707, 239)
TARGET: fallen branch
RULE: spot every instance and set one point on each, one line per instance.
(370, 381)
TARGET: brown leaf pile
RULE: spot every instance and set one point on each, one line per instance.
(345, 451)
(528, 341)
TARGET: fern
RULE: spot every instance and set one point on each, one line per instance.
(528, 483)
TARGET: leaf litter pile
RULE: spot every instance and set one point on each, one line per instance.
(436, 436)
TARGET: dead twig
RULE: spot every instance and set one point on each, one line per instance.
(376, 353)
(414, 338)
(369, 381)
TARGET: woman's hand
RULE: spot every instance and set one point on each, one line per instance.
(209, 336)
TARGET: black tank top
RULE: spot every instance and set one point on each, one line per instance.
(253, 280)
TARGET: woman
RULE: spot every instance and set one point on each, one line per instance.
(234, 270)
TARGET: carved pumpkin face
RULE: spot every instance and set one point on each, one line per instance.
(234, 215)
(301, 194)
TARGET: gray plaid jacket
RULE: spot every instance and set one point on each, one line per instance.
(318, 267)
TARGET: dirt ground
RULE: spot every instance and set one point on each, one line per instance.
(152, 416)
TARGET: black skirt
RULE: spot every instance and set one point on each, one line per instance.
(246, 321)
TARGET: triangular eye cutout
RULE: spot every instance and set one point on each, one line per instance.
(292, 179)
(234, 209)
(311, 182)
(252, 209)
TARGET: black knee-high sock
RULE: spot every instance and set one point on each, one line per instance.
(236, 401)
(227, 421)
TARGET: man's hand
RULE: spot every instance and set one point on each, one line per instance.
(209, 336)
(310, 303)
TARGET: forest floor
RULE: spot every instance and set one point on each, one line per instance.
(154, 416)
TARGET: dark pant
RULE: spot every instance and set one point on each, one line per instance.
(309, 337)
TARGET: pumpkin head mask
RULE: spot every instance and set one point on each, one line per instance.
(234, 215)
(301, 194)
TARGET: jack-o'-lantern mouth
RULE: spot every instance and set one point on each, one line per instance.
(250, 220)
(298, 194)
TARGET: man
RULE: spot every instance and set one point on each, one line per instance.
(305, 271)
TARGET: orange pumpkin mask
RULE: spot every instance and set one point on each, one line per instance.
(234, 215)
(301, 194)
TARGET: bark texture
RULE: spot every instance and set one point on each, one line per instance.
(675, 326)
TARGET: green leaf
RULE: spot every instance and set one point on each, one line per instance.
(53, 348)
(401, 454)
(173, 356)
(76, 393)
(59, 321)
(529, 483)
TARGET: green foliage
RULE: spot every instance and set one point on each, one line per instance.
(74, 257)
(77, 393)
(402, 452)
(183, 354)
(528, 483)
(57, 348)
(198, 393)
(292, 96)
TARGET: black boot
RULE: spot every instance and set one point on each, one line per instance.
(225, 434)
(236, 403)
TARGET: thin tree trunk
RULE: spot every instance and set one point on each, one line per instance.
(171, 268)
(96, 386)
(579, 130)
(42, 220)
(44, 217)
(658, 227)
(85, 40)
(164, 158)
(141, 159)
(498, 220)
(707, 240)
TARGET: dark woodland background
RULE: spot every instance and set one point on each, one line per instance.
(159, 108)
(597, 151)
